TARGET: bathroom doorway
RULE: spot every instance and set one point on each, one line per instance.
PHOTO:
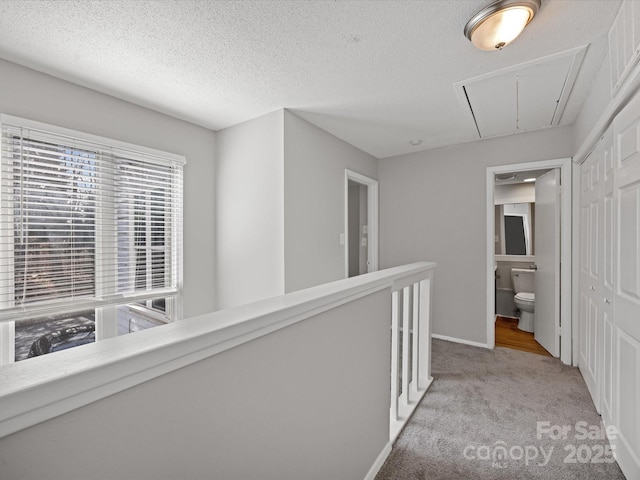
(511, 243)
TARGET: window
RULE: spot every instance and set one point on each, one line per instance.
(90, 238)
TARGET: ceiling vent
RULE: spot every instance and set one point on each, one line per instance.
(529, 96)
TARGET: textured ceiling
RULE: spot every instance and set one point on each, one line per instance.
(374, 73)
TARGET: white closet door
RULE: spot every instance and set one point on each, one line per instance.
(606, 351)
(626, 301)
(590, 271)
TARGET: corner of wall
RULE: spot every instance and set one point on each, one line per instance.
(314, 190)
(250, 211)
(594, 105)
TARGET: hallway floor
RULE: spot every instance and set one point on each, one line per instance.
(488, 415)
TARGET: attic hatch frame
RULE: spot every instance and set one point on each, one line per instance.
(578, 54)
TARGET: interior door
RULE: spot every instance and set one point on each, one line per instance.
(590, 271)
(547, 252)
(626, 298)
(606, 350)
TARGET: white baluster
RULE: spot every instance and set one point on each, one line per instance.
(415, 323)
(426, 292)
(406, 302)
(394, 355)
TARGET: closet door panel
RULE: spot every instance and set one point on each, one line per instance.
(608, 225)
(628, 397)
(590, 322)
(608, 371)
(629, 253)
(607, 282)
(626, 291)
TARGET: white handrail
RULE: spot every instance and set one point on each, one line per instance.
(44, 387)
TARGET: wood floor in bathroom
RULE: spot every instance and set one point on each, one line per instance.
(509, 335)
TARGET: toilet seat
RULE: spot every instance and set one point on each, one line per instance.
(526, 297)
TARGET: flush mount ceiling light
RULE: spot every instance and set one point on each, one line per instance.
(498, 24)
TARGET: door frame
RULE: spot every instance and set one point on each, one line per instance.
(565, 166)
(372, 219)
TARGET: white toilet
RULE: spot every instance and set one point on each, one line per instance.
(525, 298)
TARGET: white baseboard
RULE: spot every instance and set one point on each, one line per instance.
(377, 465)
(459, 340)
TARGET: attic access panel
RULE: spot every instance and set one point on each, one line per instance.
(528, 96)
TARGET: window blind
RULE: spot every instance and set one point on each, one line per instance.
(85, 222)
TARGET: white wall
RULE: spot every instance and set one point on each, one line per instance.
(516, 193)
(433, 208)
(315, 162)
(278, 407)
(36, 96)
(595, 103)
(250, 211)
(280, 206)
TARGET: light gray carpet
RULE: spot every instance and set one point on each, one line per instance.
(482, 400)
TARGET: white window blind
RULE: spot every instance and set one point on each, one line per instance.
(84, 221)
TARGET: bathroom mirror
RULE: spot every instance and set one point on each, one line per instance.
(514, 229)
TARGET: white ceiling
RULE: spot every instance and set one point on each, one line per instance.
(377, 74)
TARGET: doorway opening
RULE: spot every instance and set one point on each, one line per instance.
(516, 231)
(529, 243)
(361, 224)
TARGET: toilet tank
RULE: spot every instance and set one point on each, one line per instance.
(523, 280)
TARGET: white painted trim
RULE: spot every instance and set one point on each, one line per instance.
(491, 262)
(565, 166)
(377, 465)
(44, 387)
(575, 270)
(372, 219)
(460, 340)
(372, 214)
(7, 342)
